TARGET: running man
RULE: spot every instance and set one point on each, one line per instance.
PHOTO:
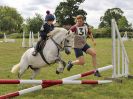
(82, 31)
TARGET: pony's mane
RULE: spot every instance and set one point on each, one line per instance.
(56, 30)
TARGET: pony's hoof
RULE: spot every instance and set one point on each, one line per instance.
(59, 70)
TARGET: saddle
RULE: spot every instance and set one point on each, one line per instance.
(41, 47)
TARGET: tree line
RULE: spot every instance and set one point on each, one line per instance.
(11, 21)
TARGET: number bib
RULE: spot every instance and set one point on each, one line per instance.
(82, 31)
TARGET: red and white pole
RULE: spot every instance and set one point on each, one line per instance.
(48, 83)
(88, 73)
(21, 92)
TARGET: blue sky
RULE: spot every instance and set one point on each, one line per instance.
(94, 8)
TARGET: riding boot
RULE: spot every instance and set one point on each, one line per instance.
(69, 65)
(97, 74)
(35, 52)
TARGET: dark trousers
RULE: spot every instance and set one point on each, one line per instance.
(38, 45)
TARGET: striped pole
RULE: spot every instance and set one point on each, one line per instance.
(39, 87)
(8, 81)
(88, 73)
(53, 81)
(24, 91)
(49, 83)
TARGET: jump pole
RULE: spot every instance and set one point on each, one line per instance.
(23, 41)
(15, 81)
(88, 73)
(24, 91)
(49, 83)
(39, 87)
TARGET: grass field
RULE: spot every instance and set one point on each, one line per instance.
(10, 54)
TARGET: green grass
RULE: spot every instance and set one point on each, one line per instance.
(10, 54)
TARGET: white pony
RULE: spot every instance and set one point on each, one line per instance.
(60, 38)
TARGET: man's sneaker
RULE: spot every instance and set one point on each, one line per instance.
(69, 65)
(97, 74)
(34, 53)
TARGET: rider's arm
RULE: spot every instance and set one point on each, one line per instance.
(44, 30)
(50, 34)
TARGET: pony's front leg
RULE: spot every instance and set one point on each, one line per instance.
(35, 72)
(61, 66)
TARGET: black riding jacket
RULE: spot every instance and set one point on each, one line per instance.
(45, 29)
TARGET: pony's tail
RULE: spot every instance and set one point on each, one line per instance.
(15, 68)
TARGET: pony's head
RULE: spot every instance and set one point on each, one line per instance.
(63, 37)
(68, 43)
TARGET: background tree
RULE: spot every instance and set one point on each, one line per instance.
(34, 24)
(66, 11)
(115, 13)
(124, 25)
(10, 19)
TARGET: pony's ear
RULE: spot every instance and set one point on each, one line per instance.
(68, 33)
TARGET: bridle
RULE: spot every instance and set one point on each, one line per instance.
(59, 46)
